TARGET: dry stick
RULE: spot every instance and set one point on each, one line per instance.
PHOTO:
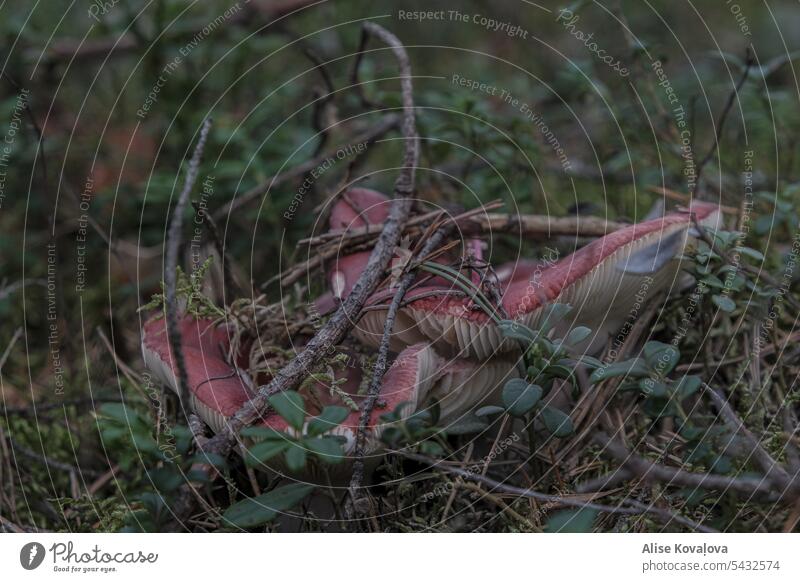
(769, 465)
(380, 367)
(636, 507)
(723, 117)
(291, 375)
(9, 347)
(434, 241)
(171, 263)
(367, 137)
(480, 221)
(653, 472)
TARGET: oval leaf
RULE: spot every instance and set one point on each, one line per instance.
(327, 449)
(264, 508)
(517, 331)
(726, 304)
(264, 451)
(290, 406)
(577, 335)
(296, 457)
(635, 367)
(330, 418)
(519, 397)
(558, 423)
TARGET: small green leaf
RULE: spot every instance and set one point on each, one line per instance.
(661, 358)
(263, 433)
(329, 418)
(517, 331)
(725, 303)
(519, 397)
(289, 405)
(572, 521)
(752, 253)
(488, 411)
(264, 451)
(551, 315)
(577, 335)
(654, 388)
(635, 367)
(431, 448)
(687, 386)
(557, 422)
(559, 371)
(327, 449)
(264, 508)
(296, 457)
(468, 425)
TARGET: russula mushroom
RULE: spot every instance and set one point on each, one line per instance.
(217, 389)
(602, 282)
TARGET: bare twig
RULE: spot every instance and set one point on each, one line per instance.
(654, 472)
(749, 61)
(342, 320)
(171, 264)
(479, 221)
(634, 507)
(9, 347)
(380, 367)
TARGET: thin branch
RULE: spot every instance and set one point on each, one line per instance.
(291, 375)
(405, 182)
(635, 507)
(480, 221)
(653, 472)
(171, 264)
(749, 61)
(368, 404)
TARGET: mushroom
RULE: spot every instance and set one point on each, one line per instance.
(416, 378)
(217, 389)
(603, 282)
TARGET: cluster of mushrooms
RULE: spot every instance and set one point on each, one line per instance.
(444, 349)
